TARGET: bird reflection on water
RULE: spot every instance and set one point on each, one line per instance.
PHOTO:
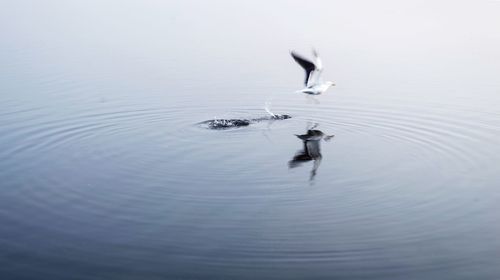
(311, 150)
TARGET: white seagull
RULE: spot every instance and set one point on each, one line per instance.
(314, 84)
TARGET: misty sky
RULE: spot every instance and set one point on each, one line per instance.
(454, 43)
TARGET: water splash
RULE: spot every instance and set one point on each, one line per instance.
(268, 110)
(234, 123)
(227, 123)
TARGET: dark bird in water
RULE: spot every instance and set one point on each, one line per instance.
(233, 123)
(310, 151)
(313, 83)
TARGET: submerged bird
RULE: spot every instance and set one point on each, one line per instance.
(314, 84)
(234, 123)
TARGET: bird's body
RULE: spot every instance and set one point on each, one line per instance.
(314, 85)
(316, 89)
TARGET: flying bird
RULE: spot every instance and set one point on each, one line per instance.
(313, 83)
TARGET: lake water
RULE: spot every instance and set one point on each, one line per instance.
(107, 173)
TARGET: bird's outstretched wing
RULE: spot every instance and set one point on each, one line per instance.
(315, 77)
(317, 63)
(308, 66)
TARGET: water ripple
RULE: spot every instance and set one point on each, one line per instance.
(145, 164)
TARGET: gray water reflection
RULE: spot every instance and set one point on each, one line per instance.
(311, 150)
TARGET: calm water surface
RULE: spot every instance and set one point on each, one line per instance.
(106, 173)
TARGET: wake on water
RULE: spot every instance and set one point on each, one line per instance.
(219, 123)
(233, 123)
